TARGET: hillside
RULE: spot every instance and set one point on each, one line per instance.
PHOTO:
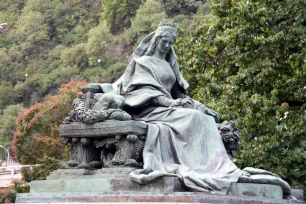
(49, 43)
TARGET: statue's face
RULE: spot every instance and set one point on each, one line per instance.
(165, 43)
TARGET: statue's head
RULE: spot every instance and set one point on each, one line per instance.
(166, 29)
(164, 38)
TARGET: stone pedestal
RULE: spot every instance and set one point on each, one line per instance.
(118, 197)
(102, 181)
(114, 185)
(116, 145)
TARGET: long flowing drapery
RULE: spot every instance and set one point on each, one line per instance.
(186, 141)
(183, 142)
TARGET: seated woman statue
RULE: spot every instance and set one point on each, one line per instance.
(182, 137)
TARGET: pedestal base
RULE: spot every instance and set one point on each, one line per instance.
(114, 185)
(186, 197)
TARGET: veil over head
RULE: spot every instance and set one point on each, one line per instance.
(124, 81)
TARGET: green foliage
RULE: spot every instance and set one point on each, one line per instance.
(31, 34)
(8, 195)
(8, 95)
(10, 10)
(192, 23)
(118, 13)
(67, 21)
(8, 126)
(51, 42)
(176, 7)
(74, 19)
(75, 56)
(99, 40)
(248, 63)
(110, 72)
(26, 173)
(113, 72)
(21, 45)
(143, 23)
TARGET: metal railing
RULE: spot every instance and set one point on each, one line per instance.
(8, 173)
(8, 155)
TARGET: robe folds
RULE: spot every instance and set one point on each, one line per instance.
(186, 142)
(182, 142)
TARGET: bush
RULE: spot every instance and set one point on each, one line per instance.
(8, 195)
(37, 140)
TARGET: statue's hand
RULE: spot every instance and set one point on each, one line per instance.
(187, 102)
(176, 102)
(213, 114)
(183, 102)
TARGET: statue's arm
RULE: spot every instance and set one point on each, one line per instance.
(187, 102)
(165, 102)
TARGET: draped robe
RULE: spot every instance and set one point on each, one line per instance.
(186, 141)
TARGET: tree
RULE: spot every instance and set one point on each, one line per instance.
(31, 34)
(176, 7)
(8, 95)
(75, 56)
(143, 23)
(190, 23)
(8, 125)
(67, 21)
(99, 41)
(113, 72)
(249, 65)
(118, 13)
(110, 71)
(24, 43)
(10, 10)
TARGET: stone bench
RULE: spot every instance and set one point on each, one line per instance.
(108, 142)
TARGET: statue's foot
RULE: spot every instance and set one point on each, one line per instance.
(146, 171)
(289, 197)
(84, 166)
(73, 163)
(91, 165)
(96, 164)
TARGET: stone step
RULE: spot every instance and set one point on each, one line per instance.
(186, 197)
(114, 185)
(111, 184)
(164, 184)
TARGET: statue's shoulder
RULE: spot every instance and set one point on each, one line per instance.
(144, 60)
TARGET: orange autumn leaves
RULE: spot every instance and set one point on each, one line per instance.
(37, 134)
